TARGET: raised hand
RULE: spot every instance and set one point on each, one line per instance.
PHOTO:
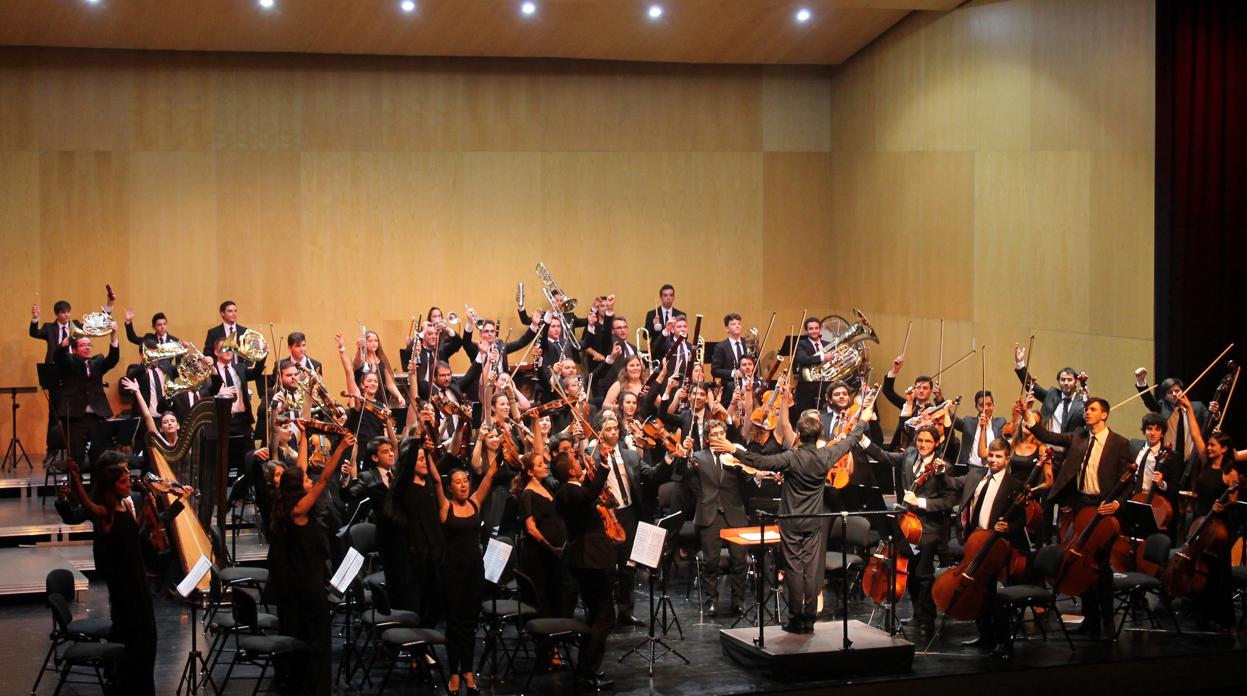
(129, 314)
(1019, 353)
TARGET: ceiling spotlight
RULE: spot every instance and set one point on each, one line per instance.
(407, 5)
(803, 15)
(92, 2)
(655, 11)
(268, 4)
(528, 8)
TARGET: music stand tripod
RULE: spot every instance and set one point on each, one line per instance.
(666, 610)
(15, 452)
(649, 648)
(195, 670)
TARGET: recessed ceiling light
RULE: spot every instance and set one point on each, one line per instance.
(528, 8)
(407, 5)
(267, 4)
(92, 2)
(655, 11)
(803, 15)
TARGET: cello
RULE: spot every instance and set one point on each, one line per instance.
(1187, 572)
(1092, 533)
(887, 572)
(961, 591)
(1127, 554)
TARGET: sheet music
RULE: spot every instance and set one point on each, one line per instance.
(347, 571)
(197, 573)
(647, 545)
(755, 537)
(496, 555)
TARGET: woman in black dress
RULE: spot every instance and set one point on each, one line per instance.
(368, 416)
(541, 556)
(464, 570)
(119, 556)
(298, 557)
(1215, 604)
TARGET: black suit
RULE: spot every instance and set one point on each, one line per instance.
(1114, 461)
(368, 486)
(719, 504)
(628, 512)
(137, 340)
(724, 361)
(805, 355)
(1171, 468)
(83, 401)
(50, 334)
(1051, 398)
(969, 427)
(655, 335)
(146, 383)
(589, 555)
(993, 623)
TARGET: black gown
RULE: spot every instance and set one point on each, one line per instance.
(297, 561)
(538, 562)
(465, 571)
(119, 554)
(1215, 604)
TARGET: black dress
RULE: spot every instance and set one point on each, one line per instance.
(465, 571)
(538, 562)
(134, 623)
(1215, 603)
(297, 559)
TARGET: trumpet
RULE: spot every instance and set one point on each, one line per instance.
(251, 346)
(94, 324)
(164, 351)
(479, 323)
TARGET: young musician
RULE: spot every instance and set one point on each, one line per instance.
(1178, 435)
(727, 356)
(297, 343)
(368, 417)
(810, 352)
(659, 320)
(159, 333)
(83, 402)
(370, 358)
(1215, 603)
(981, 428)
(720, 494)
(1095, 460)
(919, 396)
(228, 327)
(803, 540)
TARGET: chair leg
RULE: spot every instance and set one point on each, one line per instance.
(1061, 622)
(229, 672)
(44, 667)
(260, 679)
(389, 670)
(60, 684)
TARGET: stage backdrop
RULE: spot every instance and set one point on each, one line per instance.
(991, 166)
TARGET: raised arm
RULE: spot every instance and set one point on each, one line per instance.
(482, 491)
(1192, 426)
(328, 474)
(133, 387)
(347, 370)
(95, 510)
(435, 480)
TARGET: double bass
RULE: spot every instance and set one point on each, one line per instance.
(1187, 572)
(1092, 533)
(961, 591)
(1127, 553)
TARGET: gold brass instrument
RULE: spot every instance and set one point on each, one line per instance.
(251, 346)
(550, 289)
(190, 534)
(309, 385)
(94, 324)
(643, 348)
(847, 352)
(751, 343)
(163, 351)
(193, 371)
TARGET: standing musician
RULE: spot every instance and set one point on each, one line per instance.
(618, 352)
(659, 320)
(56, 335)
(702, 410)
(83, 402)
(370, 358)
(727, 356)
(628, 380)
(1178, 434)
(835, 415)
(985, 495)
(1095, 459)
(720, 498)
(287, 400)
(1215, 603)
(809, 353)
(930, 502)
(297, 343)
(1163, 474)
(229, 326)
(424, 358)
(159, 333)
(803, 540)
(922, 394)
(979, 430)
(490, 343)
(368, 417)
(1061, 408)
(672, 345)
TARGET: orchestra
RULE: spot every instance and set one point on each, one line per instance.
(563, 452)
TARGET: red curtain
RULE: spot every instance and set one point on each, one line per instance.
(1201, 191)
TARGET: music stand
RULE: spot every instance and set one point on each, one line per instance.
(649, 648)
(671, 524)
(1137, 521)
(122, 431)
(15, 452)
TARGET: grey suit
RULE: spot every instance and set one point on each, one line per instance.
(720, 504)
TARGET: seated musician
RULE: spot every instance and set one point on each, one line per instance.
(167, 431)
(1153, 472)
(986, 493)
(1215, 604)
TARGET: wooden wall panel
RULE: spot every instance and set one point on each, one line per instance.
(17, 102)
(796, 107)
(84, 105)
(173, 104)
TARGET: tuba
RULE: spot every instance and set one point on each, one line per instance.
(94, 324)
(164, 351)
(847, 352)
(251, 346)
(193, 372)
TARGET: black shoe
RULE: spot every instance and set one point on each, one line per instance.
(794, 625)
(596, 683)
(712, 609)
(629, 620)
(1004, 651)
(979, 643)
(926, 630)
(738, 609)
(808, 624)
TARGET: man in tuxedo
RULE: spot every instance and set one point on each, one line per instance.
(658, 320)
(1095, 460)
(56, 335)
(159, 335)
(152, 379)
(1061, 408)
(229, 326)
(590, 557)
(807, 354)
(617, 352)
(1155, 471)
(672, 346)
(720, 504)
(983, 427)
(923, 395)
(229, 379)
(835, 415)
(986, 495)
(1177, 434)
(375, 483)
(83, 401)
(297, 343)
(626, 472)
(725, 360)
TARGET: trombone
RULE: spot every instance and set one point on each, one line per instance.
(643, 349)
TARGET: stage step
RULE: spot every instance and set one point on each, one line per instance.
(24, 569)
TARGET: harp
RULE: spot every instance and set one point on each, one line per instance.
(192, 539)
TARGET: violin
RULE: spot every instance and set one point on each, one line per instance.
(311, 424)
(654, 433)
(1092, 533)
(932, 416)
(510, 450)
(1187, 572)
(1127, 553)
(734, 463)
(151, 527)
(766, 416)
(961, 592)
(606, 502)
(840, 472)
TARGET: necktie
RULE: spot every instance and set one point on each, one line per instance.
(87, 364)
(736, 349)
(157, 391)
(64, 334)
(385, 477)
(1082, 475)
(982, 496)
(1179, 438)
(1064, 412)
(1145, 482)
(229, 378)
(616, 465)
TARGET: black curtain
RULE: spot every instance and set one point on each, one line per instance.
(1201, 193)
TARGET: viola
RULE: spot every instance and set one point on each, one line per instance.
(1127, 553)
(654, 433)
(605, 507)
(510, 450)
(961, 591)
(151, 527)
(1187, 572)
(839, 474)
(1092, 533)
(766, 416)
(911, 526)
